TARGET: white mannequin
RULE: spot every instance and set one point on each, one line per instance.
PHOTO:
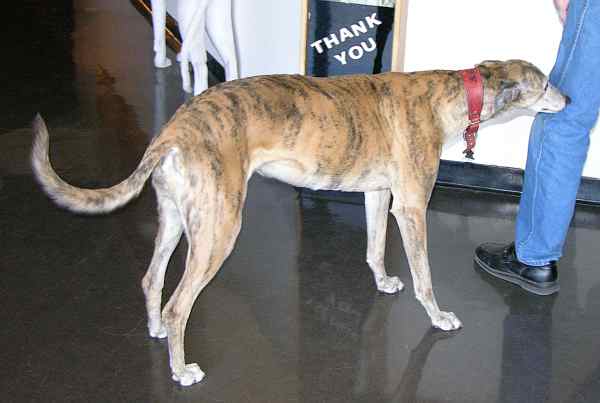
(196, 19)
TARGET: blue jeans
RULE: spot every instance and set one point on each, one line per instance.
(559, 143)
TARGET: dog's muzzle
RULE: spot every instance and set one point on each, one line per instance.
(552, 101)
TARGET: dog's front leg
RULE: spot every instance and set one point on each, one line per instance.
(411, 220)
(377, 205)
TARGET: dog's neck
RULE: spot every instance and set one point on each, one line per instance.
(456, 119)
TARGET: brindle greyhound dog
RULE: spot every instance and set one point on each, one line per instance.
(380, 134)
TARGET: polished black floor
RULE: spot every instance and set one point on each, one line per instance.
(293, 315)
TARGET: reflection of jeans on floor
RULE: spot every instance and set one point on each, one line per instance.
(527, 351)
(559, 143)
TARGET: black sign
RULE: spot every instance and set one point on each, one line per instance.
(348, 38)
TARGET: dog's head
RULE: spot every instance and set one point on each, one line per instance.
(517, 85)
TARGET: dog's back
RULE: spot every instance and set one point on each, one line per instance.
(323, 133)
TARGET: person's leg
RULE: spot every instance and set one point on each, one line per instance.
(559, 143)
(558, 146)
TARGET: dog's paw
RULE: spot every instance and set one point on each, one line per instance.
(190, 375)
(446, 321)
(157, 331)
(162, 62)
(389, 285)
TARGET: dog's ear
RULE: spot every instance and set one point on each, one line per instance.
(508, 92)
(490, 62)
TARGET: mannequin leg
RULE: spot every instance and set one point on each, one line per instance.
(159, 14)
(219, 25)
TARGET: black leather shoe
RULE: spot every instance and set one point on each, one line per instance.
(500, 260)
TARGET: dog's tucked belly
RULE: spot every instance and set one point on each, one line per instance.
(300, 175)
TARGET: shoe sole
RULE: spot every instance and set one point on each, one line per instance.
(530, 286)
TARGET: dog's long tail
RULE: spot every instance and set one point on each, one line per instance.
(88, 201)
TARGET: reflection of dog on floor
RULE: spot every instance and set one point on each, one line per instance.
(197, 19)
(379, 134)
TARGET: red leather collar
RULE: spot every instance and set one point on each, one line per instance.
(474, 88)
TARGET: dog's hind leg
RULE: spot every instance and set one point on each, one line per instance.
(410, 212)
(377, 204)
(169, 233)
(212, 223)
